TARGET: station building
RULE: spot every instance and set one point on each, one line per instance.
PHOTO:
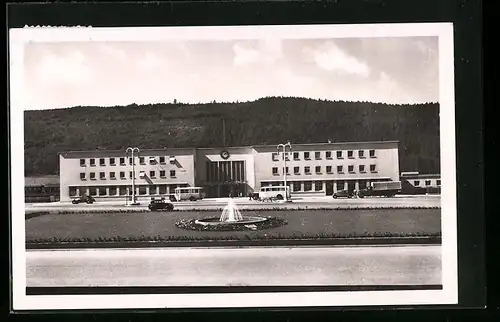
(315, 169)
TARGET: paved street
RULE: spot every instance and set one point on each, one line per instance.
(236, 266)
(244, 203)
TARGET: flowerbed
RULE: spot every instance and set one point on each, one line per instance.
(270, 222)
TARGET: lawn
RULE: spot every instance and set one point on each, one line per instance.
(306, 223)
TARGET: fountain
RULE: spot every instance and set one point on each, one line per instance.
(230, 215)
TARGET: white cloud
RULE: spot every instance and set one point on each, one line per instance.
(268, 51)
(113, 51)
(330, 57)
(151, 61)
(69, 68)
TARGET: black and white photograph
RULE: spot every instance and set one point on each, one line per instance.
(233, 167)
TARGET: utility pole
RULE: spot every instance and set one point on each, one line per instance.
(132, 150)
(284, 154)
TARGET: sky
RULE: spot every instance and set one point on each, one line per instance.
(400, 70)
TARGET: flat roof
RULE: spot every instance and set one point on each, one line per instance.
(421, 175)
(234, 147)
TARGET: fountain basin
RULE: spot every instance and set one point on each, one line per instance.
(215, 221)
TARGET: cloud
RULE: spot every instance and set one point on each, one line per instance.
(266, 51)
(151, 61)
(113, 51)
(331, 57)
(70, 68)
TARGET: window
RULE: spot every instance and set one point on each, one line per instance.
(163, 189)
(328, 169)
(102, 175)
(152, 190)
(296, 170)
(152, 160)
(112, 175)
(141, 160)
(92, 162)
(361, 168)
(102, 161)
(276, 156)
(102, 191)
(350, 154)
(350, 168)
(307, 170)
(112, 191)
(306, 156)
(318, 169)
(93, 191)
(296, 186)
(82, 162)
(162, 160)
(372, 153)
(130, 161)
(172, 173)
(112, 161)
(318, 185)
(361, 153)
(416, 183)
(82, 175)
(142, 190)
(317, 155)
(131, 174)
(275, 171)
(296, 155)
(328, 154)
(373, 168)
(122, 175)
(307, 185)
(72, 191)
(427, 182)
(438, 182)
(122, 191)
(152, 174)
(340, 169)
(339, 155)
(92, 176)
(287, 170)
(122, 161)
(162, 174)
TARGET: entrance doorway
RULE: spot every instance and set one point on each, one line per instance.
(329, 188)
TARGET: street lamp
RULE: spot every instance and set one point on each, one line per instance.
(284, 146)
(132, 150)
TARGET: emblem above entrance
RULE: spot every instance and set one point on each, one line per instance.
(224, 154)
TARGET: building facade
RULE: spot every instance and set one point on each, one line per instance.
(312, 169)
(417, 183)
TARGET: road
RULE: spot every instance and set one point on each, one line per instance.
(244, 203)
(278, 266)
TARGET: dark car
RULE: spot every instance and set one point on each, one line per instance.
(86, 199)
(161, 204)
(343, 194)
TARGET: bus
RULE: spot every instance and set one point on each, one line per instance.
(189, 193)
(274, 192)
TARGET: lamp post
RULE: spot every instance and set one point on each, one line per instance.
(284, 146)
(132, 150)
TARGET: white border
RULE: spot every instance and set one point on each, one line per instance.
(449, 294)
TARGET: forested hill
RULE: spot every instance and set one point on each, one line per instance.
(265, 121)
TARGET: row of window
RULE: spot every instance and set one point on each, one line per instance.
(328, 155)
(112, 175)
(121, 161)
(161, 189)
(329, 168)
(307, 186)
(416, 183)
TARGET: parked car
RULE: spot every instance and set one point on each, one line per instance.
(86, 199)
(343, 194)
(160, 204)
